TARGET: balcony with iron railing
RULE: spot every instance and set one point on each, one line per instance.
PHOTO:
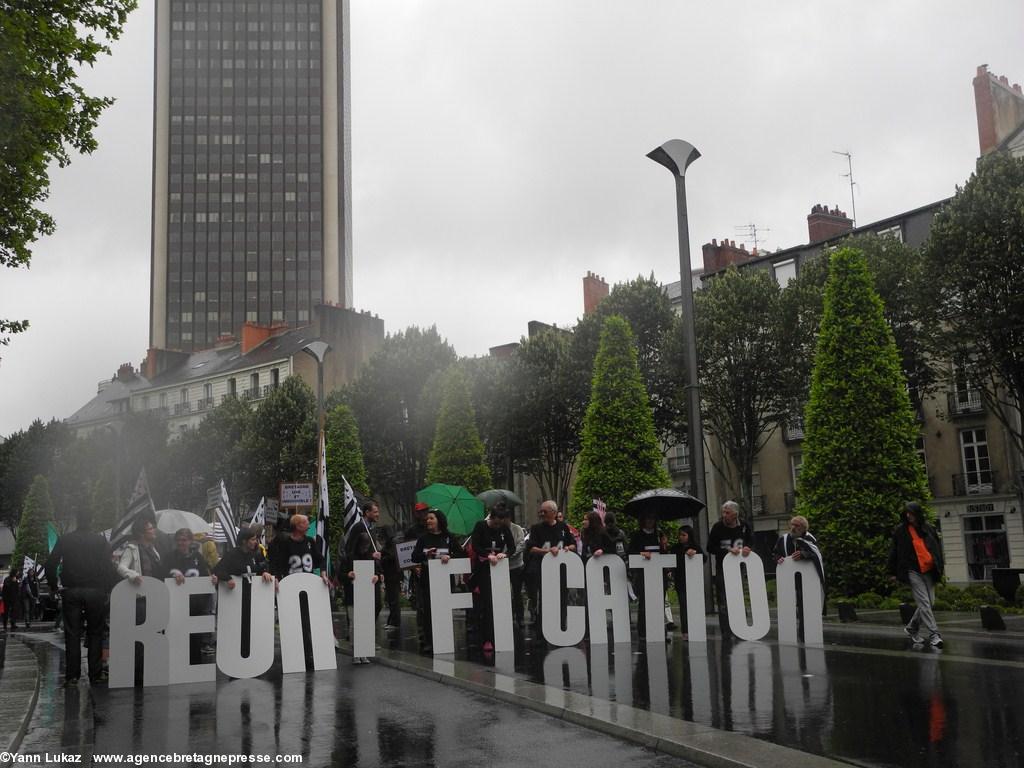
(204, 404)
(964, 402)
(182, 409)
(678, 464)
(982, 483)
(758, 505)
(794, 431)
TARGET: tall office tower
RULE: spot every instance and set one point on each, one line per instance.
(251, 166)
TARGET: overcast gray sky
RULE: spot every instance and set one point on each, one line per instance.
(498, 153)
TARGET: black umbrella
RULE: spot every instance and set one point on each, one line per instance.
(666, 503)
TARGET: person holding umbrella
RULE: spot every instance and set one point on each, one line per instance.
(492, 542)
(435, 544)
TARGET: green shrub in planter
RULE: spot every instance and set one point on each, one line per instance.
(868, 600)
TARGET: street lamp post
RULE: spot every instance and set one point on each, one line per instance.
(677, 155)
(318, 351)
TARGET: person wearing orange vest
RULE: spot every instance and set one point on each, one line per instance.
(915, 558)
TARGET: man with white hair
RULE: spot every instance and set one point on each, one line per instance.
(729, 536)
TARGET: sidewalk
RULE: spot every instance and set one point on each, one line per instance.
(19, 691)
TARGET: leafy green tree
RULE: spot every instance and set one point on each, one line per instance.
(747, 383)
(44, 113)
(31, 536)
(24, 455)
(859, 460)
(103, 500)
(396, 426)
(491, 391)
(620, 455)
(281, 441)
(457, 457)
(900, 280)
(658, 337)
(221, 447)
(344, 462)
(547, 404)
(975, 267)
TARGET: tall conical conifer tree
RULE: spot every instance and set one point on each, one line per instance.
(620, 455)
(860, 465)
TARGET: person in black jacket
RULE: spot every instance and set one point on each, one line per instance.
(915, 558)
(435, 544)
(492, 541)
(244, 560)
(729, 536)
(800, 544)
(647, 541)
(686, 546)
(293, 551)
(547, 539)
(87, 574)
(185, 562)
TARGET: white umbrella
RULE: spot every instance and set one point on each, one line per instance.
(172, 520)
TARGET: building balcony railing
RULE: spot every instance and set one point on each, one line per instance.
(180, 409)
(206, 402)
(758, 506)
(962, 402)
(794, 432)
(252, 394)
(975, 484)
(790, 501)
(678, 465)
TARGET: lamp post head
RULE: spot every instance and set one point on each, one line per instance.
(676, 155)
(317, 349)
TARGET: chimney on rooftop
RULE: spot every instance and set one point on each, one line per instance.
(823, 223)
(718, 256)
(999, 108)
(594, 290)
(126, 372)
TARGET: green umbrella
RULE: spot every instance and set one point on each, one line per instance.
(494, 495)
(461, 508)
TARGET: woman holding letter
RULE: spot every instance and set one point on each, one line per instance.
(436, 544)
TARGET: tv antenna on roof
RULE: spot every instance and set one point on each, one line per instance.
(751, 231)
(849, 165)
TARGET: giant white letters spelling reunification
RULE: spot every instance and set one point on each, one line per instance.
(154, 618)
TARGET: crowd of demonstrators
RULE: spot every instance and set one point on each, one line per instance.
(436, 543)
(686, 547)
(915, 558)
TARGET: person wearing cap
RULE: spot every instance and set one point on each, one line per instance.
(492, 542)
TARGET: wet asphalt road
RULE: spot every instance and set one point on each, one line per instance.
(357, 717)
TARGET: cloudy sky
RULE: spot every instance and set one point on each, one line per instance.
(499, 150)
